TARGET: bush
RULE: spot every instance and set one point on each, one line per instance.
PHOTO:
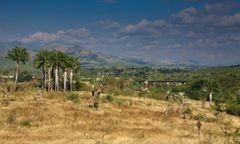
(233, 109)
(5, 102)
(12, 117)
(25, 76)
(195, 91)
(80, 86)
(188, 111)
(236, 136)
(73, 97)
(26, 122)
(201, 117)
(108, 98)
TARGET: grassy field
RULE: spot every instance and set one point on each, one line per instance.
(58, 118)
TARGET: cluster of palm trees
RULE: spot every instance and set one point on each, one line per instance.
(51, 63)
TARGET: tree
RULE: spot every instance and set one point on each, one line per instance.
(65, 68)
(18, 54)
(42, 61)
(74, 66)
(58, 60)
(212, 87)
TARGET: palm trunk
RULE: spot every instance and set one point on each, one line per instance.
(65, 81)
(56, 80)
(71, 80)
(43, 78)
(210, 97)
(49, 79)
(16, 75)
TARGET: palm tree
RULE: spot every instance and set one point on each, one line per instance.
(18, 54)
(212, 87)
(74, 66)
(66, 67)
(42, 61)
(58, 60)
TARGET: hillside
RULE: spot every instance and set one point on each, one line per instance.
(55, 119)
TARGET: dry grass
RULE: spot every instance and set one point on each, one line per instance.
(53, 119)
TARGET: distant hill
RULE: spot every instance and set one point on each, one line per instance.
(94, 59)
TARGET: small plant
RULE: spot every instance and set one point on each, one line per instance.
(201, 117)
(209, 139)
(141, 135)
(120, 102)
(188, 111)
(12, 117)
(51, 96)
(26, 122)
(170, 112)
(73, 97)
(236, 136)
(232, 136)
(108, 98)
(5, 102)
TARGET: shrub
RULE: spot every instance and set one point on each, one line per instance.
(73, 97)
(25, 76)
(12, 117)
(5, 102)
(120, 102)
(108, 98)
(236, 136)
(188, 111)
(170, 112)
(233, 109)
(80, 86)
(26, 122)
(209, 139)
(201, 117)
(141, 94)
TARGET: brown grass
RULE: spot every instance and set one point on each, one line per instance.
(52, 119)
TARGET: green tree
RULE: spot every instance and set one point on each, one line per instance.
(74, 66)
(58, 60)
(41, 61)
(212, 87)
(18, 54)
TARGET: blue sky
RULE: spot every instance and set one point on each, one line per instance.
(207, 31)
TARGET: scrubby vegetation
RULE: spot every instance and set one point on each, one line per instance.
(53, 97)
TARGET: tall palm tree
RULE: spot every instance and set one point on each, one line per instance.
(66, 66)
(18, 54)
(58, 60)
(74, 66)
(212, 87)
(42, 61)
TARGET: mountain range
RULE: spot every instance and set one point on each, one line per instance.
(95, 59)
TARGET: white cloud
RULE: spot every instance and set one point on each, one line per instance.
(207, 17)
(61, 34)
(143, 27)
(108, 24)
(39, 36)
(186, 15)
(233, 20)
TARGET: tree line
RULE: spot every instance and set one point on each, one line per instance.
(51, 64)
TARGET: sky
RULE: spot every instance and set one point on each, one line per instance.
(207, 31)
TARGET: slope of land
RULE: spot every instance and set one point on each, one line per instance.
(60, 118)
